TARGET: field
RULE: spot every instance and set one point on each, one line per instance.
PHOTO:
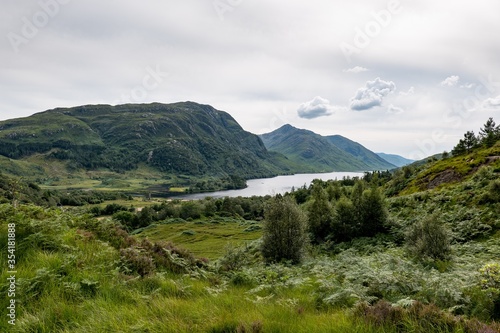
(205, 238)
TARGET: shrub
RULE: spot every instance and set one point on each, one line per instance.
(429, 239)
(284, 231)
(234, 258)
(136, 261)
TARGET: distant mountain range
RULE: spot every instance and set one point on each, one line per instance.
(323, 153)
(164, 143)
(397, 160)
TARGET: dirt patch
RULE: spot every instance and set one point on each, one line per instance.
(446, 176)
(490, 159)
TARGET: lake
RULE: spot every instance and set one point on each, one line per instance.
(273, 186)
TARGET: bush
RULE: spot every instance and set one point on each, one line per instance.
(234, 258)
(429, 239)
(284, 231)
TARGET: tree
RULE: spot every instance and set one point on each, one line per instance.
(459, 149)
(373, 212)
(356, 198)
(470, 141)
(284, 234)
(465, 145)
(320, 214)
(490, 133)
(343, 224)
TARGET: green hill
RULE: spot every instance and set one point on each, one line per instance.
(360, 152)
(320, 153)
(176, 139)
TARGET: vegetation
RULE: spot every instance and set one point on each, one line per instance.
(103, 143)
(284, 231)
(416, 250)
(322, 154)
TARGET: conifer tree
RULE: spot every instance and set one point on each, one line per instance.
(490, 133)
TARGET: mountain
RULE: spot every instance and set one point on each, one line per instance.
(318, 153)
(178, 139)
(397, 160)
(361, 153)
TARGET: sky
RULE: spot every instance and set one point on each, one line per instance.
(405, 77)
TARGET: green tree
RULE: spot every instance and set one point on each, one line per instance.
(373, 213)
(470, 141)
(343, 225)
(190, 209)
(284, 234)
(320, 214)
(334, 191)
(459, 149)
(490, 133)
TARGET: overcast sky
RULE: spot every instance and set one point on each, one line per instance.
(406, 77)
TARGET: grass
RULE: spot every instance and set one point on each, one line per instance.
(463, 166)
(72, 281)
(73, 277)
(205, 238)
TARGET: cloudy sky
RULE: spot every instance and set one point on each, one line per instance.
(406, 77)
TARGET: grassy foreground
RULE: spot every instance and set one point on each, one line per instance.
(75, 274)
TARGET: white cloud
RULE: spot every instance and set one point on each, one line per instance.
(318, 107)
(372, 94)
(356, 70)
(492, 103)
(450, 81)
(410, 91)
(468, 85)
(394, 109)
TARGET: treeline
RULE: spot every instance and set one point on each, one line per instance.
(18, 191)
(246, 208)
(331, 213)
(488, 136)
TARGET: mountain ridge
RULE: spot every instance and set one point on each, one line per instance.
(184, 138)
(320, 152)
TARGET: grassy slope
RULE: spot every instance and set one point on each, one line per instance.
(451, 170)
(361, 153)
(206, 238)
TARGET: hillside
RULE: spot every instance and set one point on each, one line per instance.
(361, 153)
(397, 160)
(176, 139)
(320, 153)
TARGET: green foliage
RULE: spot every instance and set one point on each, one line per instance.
(490, 133)
(284, 231)
(320, 214)
(373, 213)
(429, 239)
